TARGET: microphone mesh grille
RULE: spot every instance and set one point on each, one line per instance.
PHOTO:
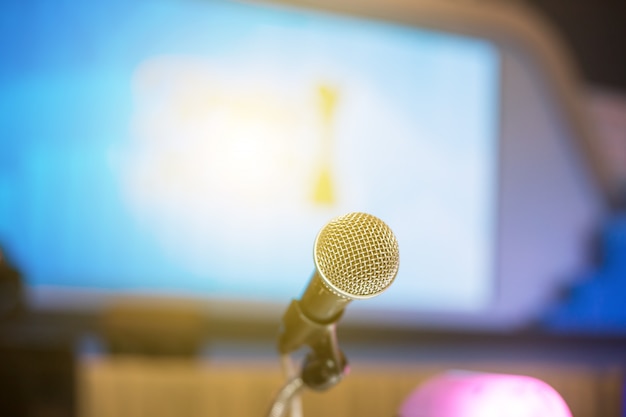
(357, 255)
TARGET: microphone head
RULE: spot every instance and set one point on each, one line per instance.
(356, 256)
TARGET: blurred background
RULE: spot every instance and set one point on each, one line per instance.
(166, 165)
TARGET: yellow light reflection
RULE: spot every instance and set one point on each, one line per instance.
(324, 193)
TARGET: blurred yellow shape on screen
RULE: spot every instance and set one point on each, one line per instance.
(324, 193)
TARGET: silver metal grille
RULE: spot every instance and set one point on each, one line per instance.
(356, 255)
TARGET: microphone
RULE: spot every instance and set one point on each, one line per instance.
(356, 257)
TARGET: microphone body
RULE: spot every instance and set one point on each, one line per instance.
(356, 257)
(319, 303)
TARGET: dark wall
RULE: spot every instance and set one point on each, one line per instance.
(596, 33)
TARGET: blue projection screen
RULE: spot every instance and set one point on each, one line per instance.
(196, 148)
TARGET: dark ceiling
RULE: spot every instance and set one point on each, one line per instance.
(596, 33)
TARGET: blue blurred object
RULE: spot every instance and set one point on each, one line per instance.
(596, 305)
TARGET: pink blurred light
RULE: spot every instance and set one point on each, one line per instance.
(465, 394)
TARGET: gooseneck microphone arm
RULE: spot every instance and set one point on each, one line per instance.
(285, 396)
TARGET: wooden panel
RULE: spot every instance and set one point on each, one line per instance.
(138, 387)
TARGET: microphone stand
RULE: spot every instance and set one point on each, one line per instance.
(323, 367)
